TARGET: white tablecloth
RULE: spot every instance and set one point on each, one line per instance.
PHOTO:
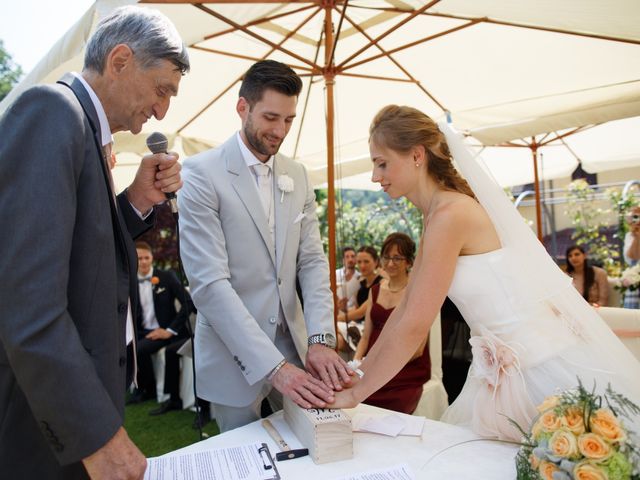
(439, 454)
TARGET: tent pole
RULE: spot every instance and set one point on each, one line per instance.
(536, 185)
(329, 80)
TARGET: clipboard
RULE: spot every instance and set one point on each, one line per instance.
(268, 463)
(251, 461)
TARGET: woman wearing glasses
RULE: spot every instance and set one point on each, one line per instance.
(402, 393)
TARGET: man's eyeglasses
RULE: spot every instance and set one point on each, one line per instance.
(395, 258)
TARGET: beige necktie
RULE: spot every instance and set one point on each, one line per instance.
(265, 187)
(106, 152)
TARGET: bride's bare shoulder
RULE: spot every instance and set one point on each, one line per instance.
(462, 216)
(458, 205)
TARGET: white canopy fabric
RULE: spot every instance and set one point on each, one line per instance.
(504, 69)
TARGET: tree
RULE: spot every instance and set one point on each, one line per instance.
(367, 218)
(590, 224)
(10, 72)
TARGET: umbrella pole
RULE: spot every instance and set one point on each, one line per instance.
(536, 185)
(329, 80)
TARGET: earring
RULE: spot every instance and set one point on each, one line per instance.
(417, 164)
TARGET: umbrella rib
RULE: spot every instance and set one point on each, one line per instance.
(273, 48)
(395, 62)
(417, 42)
(335, 41)
(259, 21)
(243, 57)
(579, 90)
(262, 39)
(306, 100)
(376, 77)
(413, 14)
(507, 24)
(561, 31)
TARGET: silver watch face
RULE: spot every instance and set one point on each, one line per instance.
(330, 340)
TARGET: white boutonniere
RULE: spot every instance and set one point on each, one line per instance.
(285, 184)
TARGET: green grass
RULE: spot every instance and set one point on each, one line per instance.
(163, 433)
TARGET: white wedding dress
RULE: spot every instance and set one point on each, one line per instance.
(533, 334)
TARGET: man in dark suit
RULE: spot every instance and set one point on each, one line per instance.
(160, 325)
(68, 263)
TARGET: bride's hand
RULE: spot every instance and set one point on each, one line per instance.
(344, 399)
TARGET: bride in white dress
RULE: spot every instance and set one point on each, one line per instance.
(532, 332)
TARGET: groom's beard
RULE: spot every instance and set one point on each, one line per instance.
(258, 145)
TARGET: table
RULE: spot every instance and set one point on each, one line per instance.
(439, 454)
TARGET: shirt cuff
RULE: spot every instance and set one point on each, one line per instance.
(171, 331)
(143, 216)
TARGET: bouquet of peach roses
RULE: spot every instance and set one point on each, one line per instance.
(580, 435)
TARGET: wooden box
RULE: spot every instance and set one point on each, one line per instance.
(326, 432)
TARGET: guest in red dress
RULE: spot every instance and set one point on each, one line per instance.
(402, 393)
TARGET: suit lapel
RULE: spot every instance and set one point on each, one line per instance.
(117, 220)
(282, 209)
(245, 186)
(83, 97)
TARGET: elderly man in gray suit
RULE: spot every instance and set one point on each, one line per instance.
(68, 262)
(249, 230)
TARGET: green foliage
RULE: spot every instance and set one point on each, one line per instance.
(10, 73)
(589, 223)
(622, 206)
(366, 218)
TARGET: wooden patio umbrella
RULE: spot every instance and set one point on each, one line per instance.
(469, 58)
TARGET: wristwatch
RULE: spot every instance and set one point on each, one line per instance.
(326, 339)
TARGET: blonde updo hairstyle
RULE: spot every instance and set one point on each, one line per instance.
(400, 128)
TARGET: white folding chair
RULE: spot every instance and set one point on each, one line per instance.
(625, 323)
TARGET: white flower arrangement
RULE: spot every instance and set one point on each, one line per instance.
(630, 279)
(285, 184)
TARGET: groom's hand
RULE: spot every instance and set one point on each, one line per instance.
(325, 364)
(301, 387)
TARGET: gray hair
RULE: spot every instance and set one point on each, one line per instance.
(150, 35)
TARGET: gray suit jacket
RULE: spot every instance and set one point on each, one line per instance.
(239, 278)
(68, 268)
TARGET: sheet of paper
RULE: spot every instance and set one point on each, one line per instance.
(244, 462)
(397, 472)
(391, 424)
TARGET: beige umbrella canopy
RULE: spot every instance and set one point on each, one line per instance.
(532, 66)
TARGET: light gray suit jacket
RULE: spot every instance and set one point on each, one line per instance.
(237, 277)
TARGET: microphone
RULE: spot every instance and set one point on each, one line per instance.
(158, 143)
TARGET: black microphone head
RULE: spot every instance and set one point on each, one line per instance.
(157, 143)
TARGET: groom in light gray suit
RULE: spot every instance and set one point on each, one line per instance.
(249, 229)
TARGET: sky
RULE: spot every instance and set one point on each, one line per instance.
(28, 28)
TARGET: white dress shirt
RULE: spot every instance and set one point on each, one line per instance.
(145, 287)
(267, 203)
